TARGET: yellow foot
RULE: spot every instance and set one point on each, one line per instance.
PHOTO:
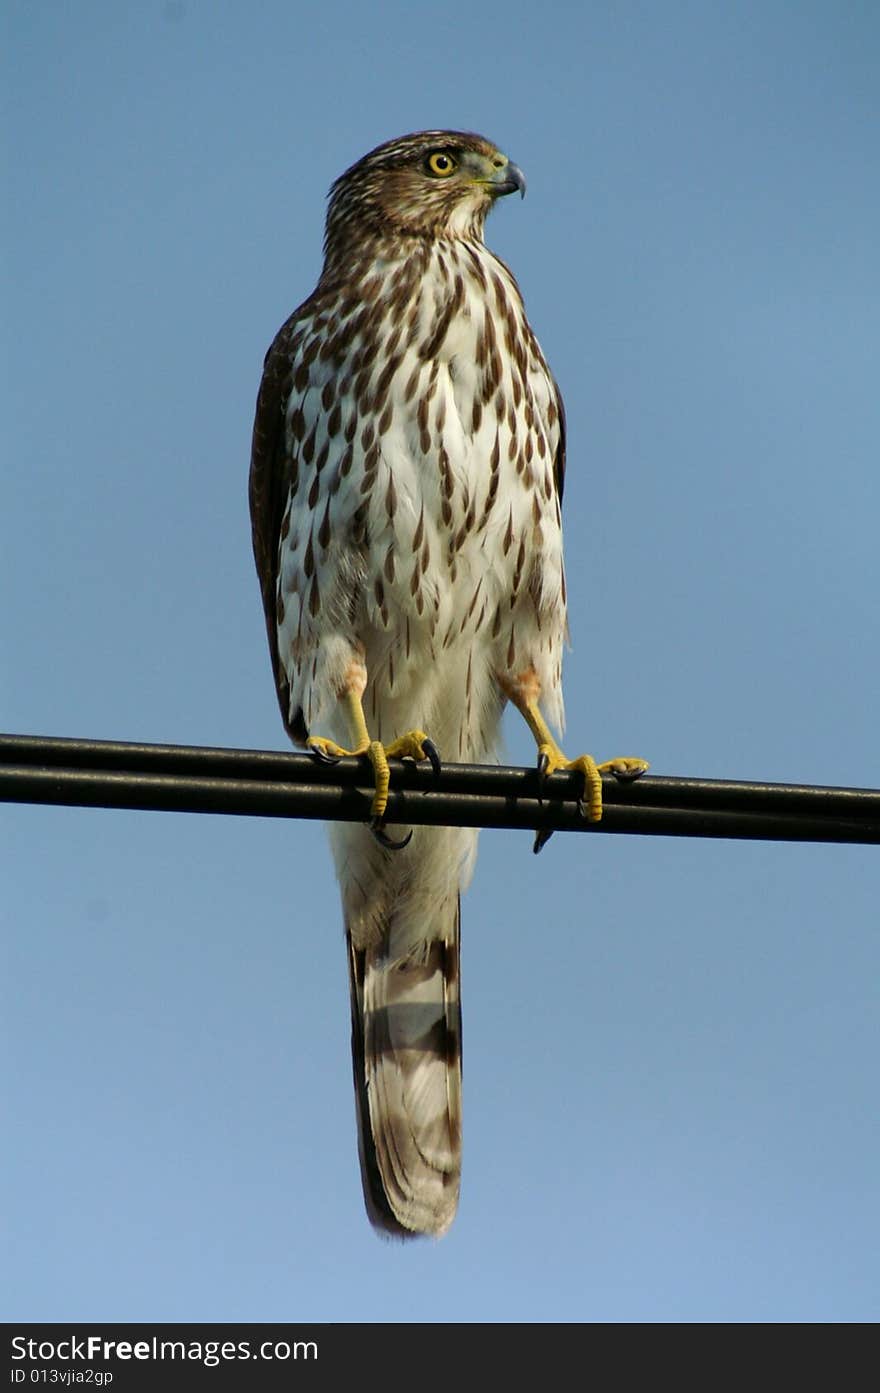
(625, 767)
(414, 745)
(328, 752)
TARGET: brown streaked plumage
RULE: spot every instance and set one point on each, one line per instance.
(406, 531)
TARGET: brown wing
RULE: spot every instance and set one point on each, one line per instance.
(559, 462)
(269, 489)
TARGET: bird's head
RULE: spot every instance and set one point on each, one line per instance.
(431, 184)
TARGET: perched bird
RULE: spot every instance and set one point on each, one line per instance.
(405, 489)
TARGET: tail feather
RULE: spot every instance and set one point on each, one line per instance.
(406, 1058)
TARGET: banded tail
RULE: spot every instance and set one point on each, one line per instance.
(406, 1057)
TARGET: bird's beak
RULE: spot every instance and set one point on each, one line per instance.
(509, 179)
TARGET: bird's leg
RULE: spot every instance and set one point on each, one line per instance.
(524, 691)
(415, 744)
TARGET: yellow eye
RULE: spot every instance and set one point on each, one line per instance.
(441, 164)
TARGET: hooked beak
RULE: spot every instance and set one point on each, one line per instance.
(509, 180)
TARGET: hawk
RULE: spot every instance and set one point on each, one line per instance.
(405, 490)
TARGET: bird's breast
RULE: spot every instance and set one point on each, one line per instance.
(422, 432)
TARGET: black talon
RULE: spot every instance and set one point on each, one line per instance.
(627, 776)
(542, 837)
(433, 754)
(542, 766)
(321, 756)
(383, 839)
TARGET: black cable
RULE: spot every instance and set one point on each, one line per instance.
(180, 778)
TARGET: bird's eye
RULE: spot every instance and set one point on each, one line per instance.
(440, 164)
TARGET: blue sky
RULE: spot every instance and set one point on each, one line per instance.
(670, 1046)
